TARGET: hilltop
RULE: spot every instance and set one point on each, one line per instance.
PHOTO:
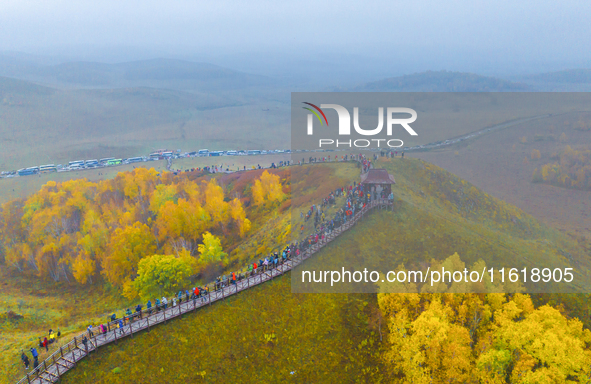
(285, 335)
(437, 214)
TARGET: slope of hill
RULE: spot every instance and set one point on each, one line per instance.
(442, 81)
(269, 334)
(502, 164)
(40, 304)
(566, 76)
(41, 125)
(266, 335)
(569, 80)
(156, 73)
(437, 214)
(10, 87)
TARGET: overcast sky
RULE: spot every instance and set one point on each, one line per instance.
(535, 31)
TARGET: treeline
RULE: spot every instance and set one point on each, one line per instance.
(572, 169)
(81, 230)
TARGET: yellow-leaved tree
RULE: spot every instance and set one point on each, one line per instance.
(486, 338)
(239, 216)
(126, 248)
(215, 205)
(267, 189)
(160, 275)
(210, 251)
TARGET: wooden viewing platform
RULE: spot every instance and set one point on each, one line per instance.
(65, 358)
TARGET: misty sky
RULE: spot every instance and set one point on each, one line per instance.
(534, 31)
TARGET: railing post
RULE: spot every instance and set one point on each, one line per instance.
(148, 322)
(164, 313)
(57, 368)
(61, 352)
(130, 329)
(28, 379)
(115, 333)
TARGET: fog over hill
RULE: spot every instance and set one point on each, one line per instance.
(442, 81)
(155, 73)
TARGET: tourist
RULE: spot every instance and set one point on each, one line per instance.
(85, 342)
(25, 360)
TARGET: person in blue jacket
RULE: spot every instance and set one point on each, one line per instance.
(35, 357)
(149, 307)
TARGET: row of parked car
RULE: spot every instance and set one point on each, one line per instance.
(111, 161)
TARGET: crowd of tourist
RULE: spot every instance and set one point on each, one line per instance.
(356, 197)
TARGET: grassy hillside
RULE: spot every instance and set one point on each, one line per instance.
(271, 335)
(43, 304)
(437, 214)
(125, 122)
(442, 81)
(158, 73)
(502, 165)
(264, 335)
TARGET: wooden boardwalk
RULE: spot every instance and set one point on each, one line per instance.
(66, 357)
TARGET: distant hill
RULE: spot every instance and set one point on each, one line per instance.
(39, 124)
(9, 86)
(442, 81)
(566, 76)
(156, 73)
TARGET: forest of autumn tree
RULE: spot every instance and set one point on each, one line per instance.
(572, 169)
(83, 231)
(486, 338)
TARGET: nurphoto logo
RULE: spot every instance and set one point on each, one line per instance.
(344, 127)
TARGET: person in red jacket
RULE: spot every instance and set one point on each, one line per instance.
(233, 278)
(254, 267)
(46, 344)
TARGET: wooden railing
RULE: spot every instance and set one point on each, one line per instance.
(66, 357)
